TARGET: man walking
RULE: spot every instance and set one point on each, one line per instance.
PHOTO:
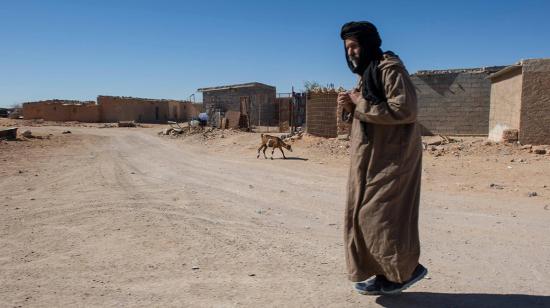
(381, 218)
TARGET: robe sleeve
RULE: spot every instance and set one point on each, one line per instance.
(400, 106)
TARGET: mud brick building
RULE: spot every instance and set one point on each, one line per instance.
(323, 117)
(144, 110)
(454, 102)
(112, 109)
(520, 99)
(62, 110)
(254, 100)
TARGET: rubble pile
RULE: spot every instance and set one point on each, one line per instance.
(478, 146)
(184, 130)
(334, 147)
(292, 136)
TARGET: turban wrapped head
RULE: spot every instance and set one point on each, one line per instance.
(369, 40)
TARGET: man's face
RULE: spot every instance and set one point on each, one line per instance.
(353, 49)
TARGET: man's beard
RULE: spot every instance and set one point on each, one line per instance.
(356, 63)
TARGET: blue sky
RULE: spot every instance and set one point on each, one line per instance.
(167, 49)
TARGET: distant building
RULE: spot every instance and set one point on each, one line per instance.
(520, 100)
(112, 109)
(62, 110)
(145, 110)
(253, 102)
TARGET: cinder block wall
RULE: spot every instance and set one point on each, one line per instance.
(321, 114)
(262, 110)
(454, 101)
(535, 102)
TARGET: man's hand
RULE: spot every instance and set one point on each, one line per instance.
(355, 96)
(344, 100)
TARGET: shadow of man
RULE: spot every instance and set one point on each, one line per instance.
(427, 300)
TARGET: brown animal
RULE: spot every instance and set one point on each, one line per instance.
(274, 142)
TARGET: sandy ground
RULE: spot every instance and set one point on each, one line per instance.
(124, 217)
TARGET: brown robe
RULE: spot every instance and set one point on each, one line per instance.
(381, 218)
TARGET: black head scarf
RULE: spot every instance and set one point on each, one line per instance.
(368, 38)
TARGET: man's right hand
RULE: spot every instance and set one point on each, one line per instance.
(345, 101)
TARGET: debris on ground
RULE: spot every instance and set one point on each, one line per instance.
(444, 140)
(510, 135)
(526, 147)
(438, 147)
(539, 150)
(126, 124)
(28, 135)
(66, 132)
(8, 133)
(333, 147)
(292, 136)
(187, 129)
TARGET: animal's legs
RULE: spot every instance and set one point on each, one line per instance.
(283, 153)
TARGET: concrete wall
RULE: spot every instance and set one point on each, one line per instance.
(62, 110)
(454, 101)
(505, 103)
(321, 114)
(535, 105)
(262, 109)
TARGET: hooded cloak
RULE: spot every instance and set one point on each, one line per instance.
(383, 194)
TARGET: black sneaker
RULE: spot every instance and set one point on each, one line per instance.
(370, 287)
(389, 287)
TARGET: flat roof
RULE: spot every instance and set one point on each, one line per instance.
(61, 101)
(487, 69)
(236, 86)
(144, 99)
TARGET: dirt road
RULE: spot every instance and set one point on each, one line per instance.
(122, 217)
